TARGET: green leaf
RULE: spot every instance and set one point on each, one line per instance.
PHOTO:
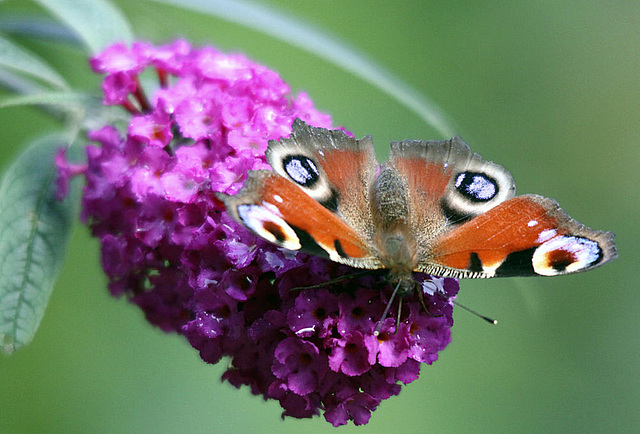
(19, 83)
(70, 101)
(36, 26)
(34, 233)
(306, 36)
(19, 59)
(60, 105)
(97, 22)
(87, 111)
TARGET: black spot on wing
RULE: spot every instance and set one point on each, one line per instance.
(453, 215)
(518, 264)
(332, 203)
(308, 244)
(475, 264)
(338, 246)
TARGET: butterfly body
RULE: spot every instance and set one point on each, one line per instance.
(435, 207)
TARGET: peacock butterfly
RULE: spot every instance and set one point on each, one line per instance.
(435, 207)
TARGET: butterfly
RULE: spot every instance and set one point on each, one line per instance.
(435, 207)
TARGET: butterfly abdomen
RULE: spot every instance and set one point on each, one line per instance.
(390, 211)
(389, 199)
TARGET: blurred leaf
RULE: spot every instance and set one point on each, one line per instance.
(19, 59)
(87, 111)
(308, 37)
(19, 83)
(60, 105)
(36, 26)
(34, 232)
(97, 22)
(69, 100)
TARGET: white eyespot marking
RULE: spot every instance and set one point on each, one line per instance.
(565, 254)
(266, 221)
(546, 235)
(532, 223)
(278, 198)
(476, 186)
(301, 170)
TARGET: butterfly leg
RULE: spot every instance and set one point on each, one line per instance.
(399, 314)
(424, 306)
(386, 310)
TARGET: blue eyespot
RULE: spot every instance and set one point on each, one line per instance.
(477, 187)
(302, 170)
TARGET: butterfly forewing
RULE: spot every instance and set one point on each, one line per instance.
(279, 211)
(524, 236)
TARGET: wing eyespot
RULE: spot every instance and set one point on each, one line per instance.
(301, 169)
(276, 230)
(476, 187)
(264, 220)
(566, 254)
(477, 190)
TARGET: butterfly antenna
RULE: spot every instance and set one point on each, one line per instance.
(386, 310)
(479, 315)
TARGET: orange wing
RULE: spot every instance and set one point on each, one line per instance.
(282, 213)
(523, 236)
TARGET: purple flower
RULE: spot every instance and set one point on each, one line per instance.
(66, 171)
(393, 345)
(314, 313)
(353, 353)
(168, 244)
(300, 365)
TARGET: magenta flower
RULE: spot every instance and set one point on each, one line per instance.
(168, 244)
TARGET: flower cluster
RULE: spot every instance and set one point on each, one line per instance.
(168, 244)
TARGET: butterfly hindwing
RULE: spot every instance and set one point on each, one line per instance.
(448, 185)
(331, 167)
(446, 177)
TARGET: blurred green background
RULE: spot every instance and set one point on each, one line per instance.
(550, 90)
